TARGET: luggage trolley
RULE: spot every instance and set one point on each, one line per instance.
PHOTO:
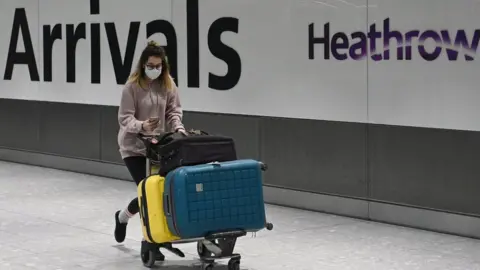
(217, 246)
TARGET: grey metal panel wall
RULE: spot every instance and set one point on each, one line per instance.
(315, 156)
(426, 168)
(430, 168)
(109, 130)
(20, 124)
(71, 130)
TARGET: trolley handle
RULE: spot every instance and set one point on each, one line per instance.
(147, 140)
(161, 138)
(167, 208)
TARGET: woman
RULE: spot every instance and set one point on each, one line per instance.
(149, 102)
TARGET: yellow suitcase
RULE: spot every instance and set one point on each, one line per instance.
(152, 216)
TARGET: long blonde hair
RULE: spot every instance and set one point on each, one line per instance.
(138, 76)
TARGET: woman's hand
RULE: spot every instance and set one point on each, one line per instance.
(182, 131)
(149, 125)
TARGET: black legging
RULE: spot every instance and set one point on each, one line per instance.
(137, 166)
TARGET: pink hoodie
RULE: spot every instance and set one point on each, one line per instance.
(137, 105)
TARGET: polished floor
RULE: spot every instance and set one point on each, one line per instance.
(56, 220)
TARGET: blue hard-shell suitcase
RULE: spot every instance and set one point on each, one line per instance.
(219, 197)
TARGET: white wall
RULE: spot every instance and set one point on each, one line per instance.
(277, 76)
(439, 93)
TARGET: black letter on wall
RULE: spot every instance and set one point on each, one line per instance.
(73, 36)
(122, 68)
(193, 44)
(94, 7)
(325, 40)
(95, 54)
(225, 53)
(49, 37)
(20, 23)
(167, 29)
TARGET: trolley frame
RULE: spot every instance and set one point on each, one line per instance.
(213, 247)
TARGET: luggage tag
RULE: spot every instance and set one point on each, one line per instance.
(199, 186)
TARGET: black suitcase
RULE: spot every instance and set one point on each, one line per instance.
(176, 150)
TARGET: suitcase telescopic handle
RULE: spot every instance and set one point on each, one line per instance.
(166, 205)
(143, 210)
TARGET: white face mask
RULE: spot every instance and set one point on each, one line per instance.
(153, 73)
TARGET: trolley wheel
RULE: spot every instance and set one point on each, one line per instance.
(234, 264)
(148, 258)
(208, 267)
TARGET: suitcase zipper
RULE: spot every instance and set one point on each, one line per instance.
(174, 216)
(145, 211)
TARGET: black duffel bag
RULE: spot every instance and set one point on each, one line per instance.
(196, 147)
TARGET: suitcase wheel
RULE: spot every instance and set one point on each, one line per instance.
(208, 267)
(269, 226)
(148, 258)
(234, 264)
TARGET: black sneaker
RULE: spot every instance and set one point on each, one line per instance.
(120, 229)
